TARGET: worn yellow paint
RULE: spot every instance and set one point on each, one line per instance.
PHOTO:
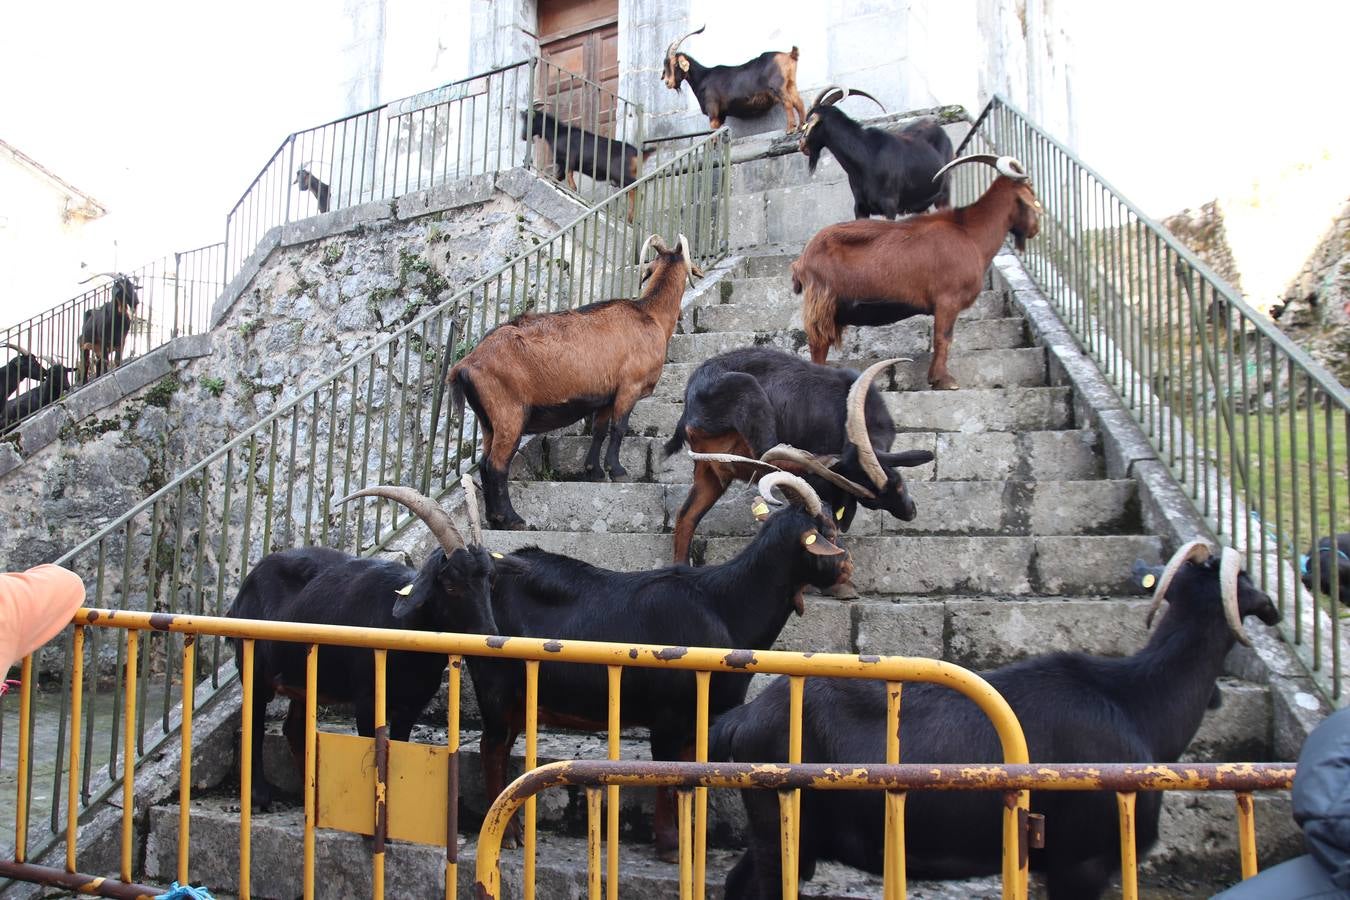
(419, 778)
(701, 682)
(25, 730)
(128, 760)
(76, 720)
(245, 774)
(185, 757)
(1129, 864)
(1246, 833)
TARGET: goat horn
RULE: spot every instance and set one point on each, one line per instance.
(694, 270)
(653, 240)
(18, 349)
(844, 94)
(856, 424)
(1007, 166)
(1195, 551)
(670, 51)
(420, 505)
(793, 484)
(732, 458)
(812, 462)
(471, 508)
(100, 275)
(1230, 564)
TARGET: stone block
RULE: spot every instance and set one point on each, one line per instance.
(795, 214)
(992, 632)
(1239, 730)
(748, 225)
(619, 552)
(1069, 454)
(1005, 409)
(826, 627)
(41, 428)
(453, 194)
(1092, 564)
(142, 371)
(906, 628)
(339, 221)
(245, 274)
(9, 458)
(992, 455)
(930, 565)
(565, 456)
(190, 346)
(653, 418)
(1197, 835)
(597, 508)
(92, 397)
(1123, 444)
(1084, 507)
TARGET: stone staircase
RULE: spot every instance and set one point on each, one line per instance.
(1022, 545)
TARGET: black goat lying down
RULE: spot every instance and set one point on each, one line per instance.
(575, 149)
(889, 173)
(743, 603)
(51, 388)
(1073, 708)
(317, 585)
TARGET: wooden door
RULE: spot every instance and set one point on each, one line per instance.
(580, 37)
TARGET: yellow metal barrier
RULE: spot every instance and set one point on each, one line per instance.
(614, 656)
(789, 779)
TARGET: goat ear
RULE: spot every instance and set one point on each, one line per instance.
(407, 605)
(759, 509)
(684, 62)
(816, 544)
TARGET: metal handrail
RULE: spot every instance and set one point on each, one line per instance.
(1256, 432)
(379, 418)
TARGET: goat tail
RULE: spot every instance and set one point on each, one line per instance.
(793, 52)
(677, 440)
(457, 378)
(819, 308)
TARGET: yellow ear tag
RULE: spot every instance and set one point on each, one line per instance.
(839, 514)
(496, 555)
(405, 590)
(809, 539)
(760, 508)
(1149, 581)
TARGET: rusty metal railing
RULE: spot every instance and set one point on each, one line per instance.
(787, 779)
(1254, 430)
(139, 627)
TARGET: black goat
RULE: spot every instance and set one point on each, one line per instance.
(889, 174)
(1073, 708)
(749, 401)
(50, 389)
(1326, 558)
(23, 366)
(745, 91)
(317, 585)
(743, 603)
(308, 181)
(575, 149)
(103, 335)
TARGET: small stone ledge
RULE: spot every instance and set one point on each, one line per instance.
(325, 225)
(42, 428)
(247, 272)
(452, 195)
(143, 370)
(192, 346)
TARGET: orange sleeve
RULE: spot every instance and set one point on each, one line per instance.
(34, 607)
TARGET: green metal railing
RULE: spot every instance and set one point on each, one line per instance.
(1252, 427)
(381, 418)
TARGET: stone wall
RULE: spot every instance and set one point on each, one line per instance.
(1315, 308)
(312, 305)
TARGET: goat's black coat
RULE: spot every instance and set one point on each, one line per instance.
(576, 150)
(745, 91)
(104, 331)
(1327, 557)
(743, 603)
(50, 389)
(308, 181)
(889, 174)
(20, 368)
(317, 585)
(771, 397)
(1072, 707)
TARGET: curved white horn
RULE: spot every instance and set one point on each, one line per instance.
(1195, 551)
(1230, 564)
(652, 239)
(732, 459)
(471, 508)
(670, 51)
(1007, 166)
(100, 275)
(806, 497)
(438, 522)
(812, 463)
(855, 424)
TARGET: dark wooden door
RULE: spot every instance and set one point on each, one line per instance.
(580, 37)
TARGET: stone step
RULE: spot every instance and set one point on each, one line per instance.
(1020, 367)
(908, 338)
(771, 306)
(1071, 454)
(1026, 565)
(945, 507)
(767, 265)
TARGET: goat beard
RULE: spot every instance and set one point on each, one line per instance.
(812, 159)
(1020, 242)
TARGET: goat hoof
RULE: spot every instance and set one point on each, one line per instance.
(595, 473)
(945, 384)
(619, 474)
(509, 523)
(668, 854)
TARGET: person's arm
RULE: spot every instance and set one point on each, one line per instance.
(34, 606)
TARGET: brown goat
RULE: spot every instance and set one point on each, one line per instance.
(542, 372)
(873, 272)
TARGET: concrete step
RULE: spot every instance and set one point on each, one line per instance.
(908, 338)
(921, 564)
(991, 455)
(995, 409)
(768, 304)
(767, 265)
(1021, 367)
(945, 507)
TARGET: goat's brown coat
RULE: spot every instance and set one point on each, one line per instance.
(930, 264)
